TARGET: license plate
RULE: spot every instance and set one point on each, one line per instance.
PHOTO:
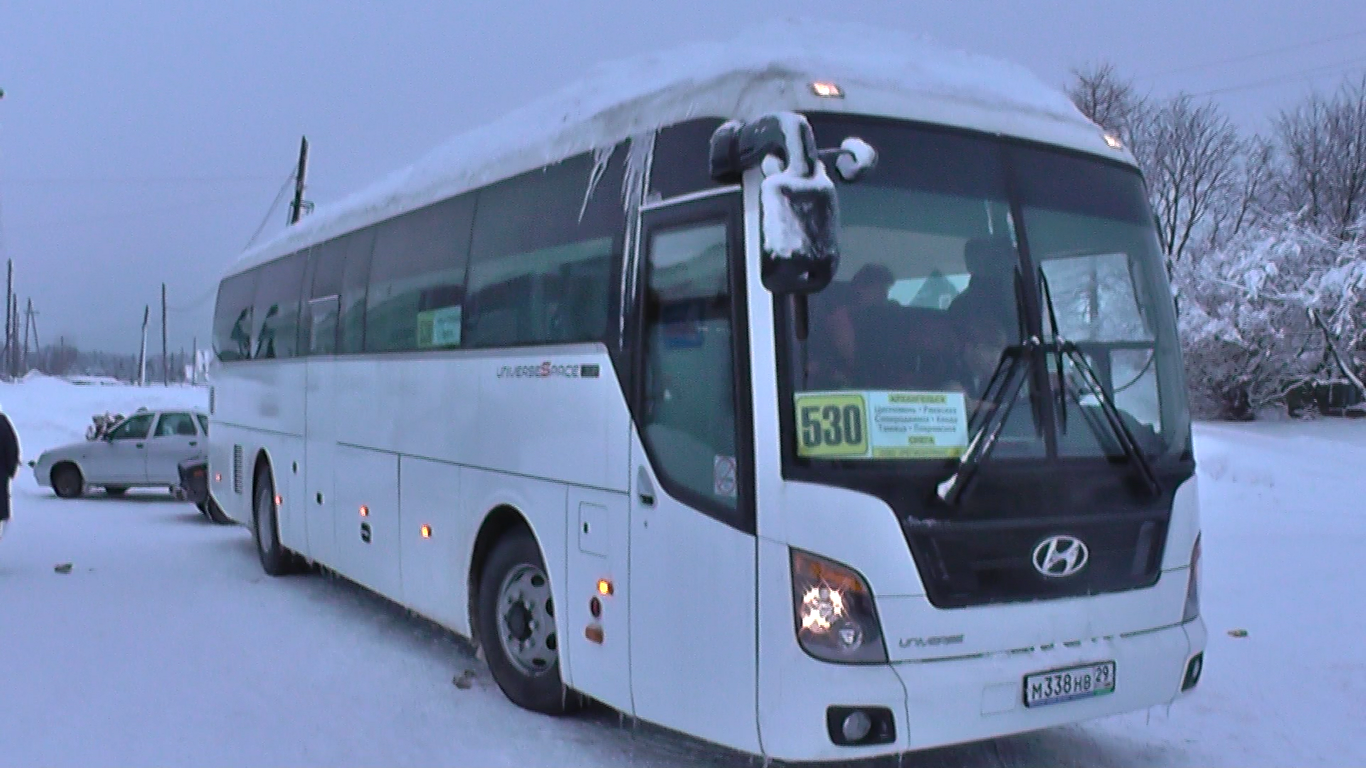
(1068, 684)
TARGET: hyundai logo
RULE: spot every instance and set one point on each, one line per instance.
(1060, 556)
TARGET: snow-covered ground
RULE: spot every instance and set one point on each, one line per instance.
(166, 645)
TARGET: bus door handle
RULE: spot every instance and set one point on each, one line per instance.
(644, 488)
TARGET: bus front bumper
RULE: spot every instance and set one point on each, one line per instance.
(952, 701)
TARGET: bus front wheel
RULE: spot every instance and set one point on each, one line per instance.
(517, 626)
(275, 559)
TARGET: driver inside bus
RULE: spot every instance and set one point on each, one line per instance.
(986, 313)
(990, 296)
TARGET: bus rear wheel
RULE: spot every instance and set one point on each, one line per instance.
(517, 627)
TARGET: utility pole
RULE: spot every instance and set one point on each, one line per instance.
(296, 209)
(142, 351)
(28, 325)
(14, 340)
(194, 361)
(9, 332)
(165, 364)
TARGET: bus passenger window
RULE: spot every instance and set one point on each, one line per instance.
(689, 410)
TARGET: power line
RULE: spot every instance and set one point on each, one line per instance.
(1348, 64)
(197, 302)
(266, 219)
(1260, 54)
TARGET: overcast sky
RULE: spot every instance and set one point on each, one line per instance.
(143, 142)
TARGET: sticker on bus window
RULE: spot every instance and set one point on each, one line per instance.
(881, 425)
(439, 327)
(723, 476)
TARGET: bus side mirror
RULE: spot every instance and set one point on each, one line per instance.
(799, 209)
(854, 159)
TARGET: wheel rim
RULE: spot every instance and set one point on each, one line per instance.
(526, 620)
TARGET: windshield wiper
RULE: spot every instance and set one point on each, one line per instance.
(1003, 389)
(1125, 436)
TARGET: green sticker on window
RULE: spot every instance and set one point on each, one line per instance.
(880, 424)
(832, 425)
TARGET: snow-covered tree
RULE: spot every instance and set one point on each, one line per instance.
(1279, 305)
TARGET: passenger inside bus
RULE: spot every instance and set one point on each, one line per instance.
(862, 338)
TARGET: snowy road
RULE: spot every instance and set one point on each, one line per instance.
(165, 644)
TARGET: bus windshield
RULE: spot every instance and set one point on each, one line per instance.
(955, 249)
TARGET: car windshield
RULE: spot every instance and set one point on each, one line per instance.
(954, 250)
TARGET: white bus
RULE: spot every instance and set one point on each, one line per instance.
(616, 389)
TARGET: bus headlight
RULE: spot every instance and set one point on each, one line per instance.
(1193, 587)
(834, 612)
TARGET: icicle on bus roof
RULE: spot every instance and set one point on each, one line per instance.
(766, 69)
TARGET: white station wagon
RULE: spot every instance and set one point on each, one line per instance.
(142, 451)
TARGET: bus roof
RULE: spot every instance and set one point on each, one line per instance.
(763, 70)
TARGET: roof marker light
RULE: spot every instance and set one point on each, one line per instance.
(1113, 141)
(827, 90)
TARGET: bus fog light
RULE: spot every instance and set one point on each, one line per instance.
(856, 726)
(834, 612)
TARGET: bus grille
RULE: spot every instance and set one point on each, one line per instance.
(237, 469)
(965, 563)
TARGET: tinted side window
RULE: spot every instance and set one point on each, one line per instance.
(323, 277)
(544, 250)
(135, 428)
(328, 259)
(417, 278)
(688, 417)
(355, 276)
(682, 158)
(277, 308)
(175, 425)
(232, 317)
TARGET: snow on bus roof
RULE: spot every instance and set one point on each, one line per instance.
(765, 69)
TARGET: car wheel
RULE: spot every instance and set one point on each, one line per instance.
(517, 627)
(275, 559)
(115, 490)
(67, 481)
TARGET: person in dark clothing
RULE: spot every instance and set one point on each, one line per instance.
(990, 296)
(9, 464)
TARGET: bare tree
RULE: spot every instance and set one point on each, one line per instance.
(1191, 159)
(1188, 152)
(1323, 140)
(1109, 101)
(1250, 195)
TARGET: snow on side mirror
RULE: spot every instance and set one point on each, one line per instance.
(798, 206)
(856, 158)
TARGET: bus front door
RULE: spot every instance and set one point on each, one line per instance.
(692, 544)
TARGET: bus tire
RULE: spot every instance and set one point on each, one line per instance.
(517, 626)
(275, 559)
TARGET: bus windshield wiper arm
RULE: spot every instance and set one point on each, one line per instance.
(1001, 393)
(1127, 441)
